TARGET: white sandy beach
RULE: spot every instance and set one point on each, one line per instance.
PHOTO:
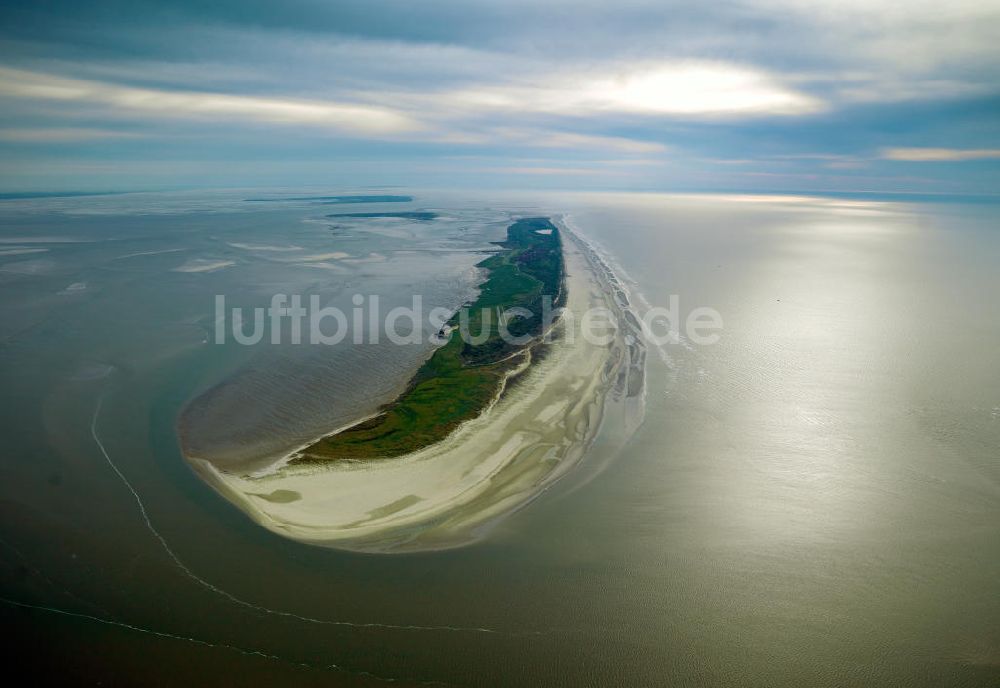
(446, 495)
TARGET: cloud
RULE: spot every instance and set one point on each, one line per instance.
(485, 134)
(541, 138)
(677, 89)
(940, 154)
(879, 89)
(551, 171)
(365, 119)
(384, 91)
(60, 134)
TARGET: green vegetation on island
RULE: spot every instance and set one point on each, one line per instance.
(463, 376)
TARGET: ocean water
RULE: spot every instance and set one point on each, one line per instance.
(812, 500)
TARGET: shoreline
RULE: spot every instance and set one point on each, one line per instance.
(539, 425)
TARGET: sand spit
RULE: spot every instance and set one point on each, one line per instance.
(449, 494)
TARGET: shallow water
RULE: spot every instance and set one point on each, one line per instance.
(814, 500)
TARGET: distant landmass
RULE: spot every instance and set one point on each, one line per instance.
(23, 195)
(335, 200)
(422, 215)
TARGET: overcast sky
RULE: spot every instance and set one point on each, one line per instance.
(779, 95)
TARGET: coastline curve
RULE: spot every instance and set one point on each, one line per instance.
(449, 494)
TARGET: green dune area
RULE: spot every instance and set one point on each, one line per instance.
(465, 374)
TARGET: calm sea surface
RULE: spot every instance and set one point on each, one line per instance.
(812, 501)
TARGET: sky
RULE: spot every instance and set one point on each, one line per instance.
(869, 96)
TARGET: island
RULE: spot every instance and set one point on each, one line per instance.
(465, 375)
(481, 429)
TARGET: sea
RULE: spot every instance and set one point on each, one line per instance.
(812, 498)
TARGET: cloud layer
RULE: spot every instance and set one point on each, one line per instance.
(758, 94)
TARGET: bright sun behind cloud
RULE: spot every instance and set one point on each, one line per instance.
(680, 89)
(701, 88)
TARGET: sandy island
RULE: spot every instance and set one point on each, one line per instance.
(448, 494)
